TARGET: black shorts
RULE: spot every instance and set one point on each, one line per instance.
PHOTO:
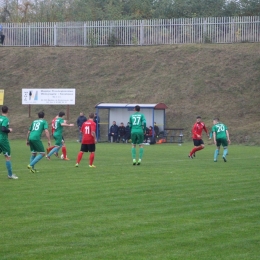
(198, 142)
(88, 148)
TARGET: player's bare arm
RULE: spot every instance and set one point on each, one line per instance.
(66, 124)
(214, 137)
(94, 135)
(228, 139)
(27, 138)
(48, 136)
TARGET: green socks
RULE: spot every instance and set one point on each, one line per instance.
(141, 152)
(133, 152)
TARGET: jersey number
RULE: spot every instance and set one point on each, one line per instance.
(87, 130)
(36, 126)
(221, 128)
(136, 120)
(56, 125)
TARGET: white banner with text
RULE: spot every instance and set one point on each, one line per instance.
(48, 96)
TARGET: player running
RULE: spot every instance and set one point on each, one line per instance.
(63, 148)
(89, 141)
(58, 129)
(4, 142)
(220, 137)
(34, 140)
(137, 123)
(197, 129)
(52, 132)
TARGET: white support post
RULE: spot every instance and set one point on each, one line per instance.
(55, 34)
(142, 33)
(85, 34)
(29, 42)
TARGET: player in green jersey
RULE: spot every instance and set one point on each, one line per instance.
(137, 123)
(58, 126)
(34, 140)
(4, 142)
(220, 137)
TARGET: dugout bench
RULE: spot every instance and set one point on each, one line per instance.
(172, 135)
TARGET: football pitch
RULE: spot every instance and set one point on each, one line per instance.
(169, 207)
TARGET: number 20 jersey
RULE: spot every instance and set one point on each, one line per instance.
(220, 130)
(87, 128)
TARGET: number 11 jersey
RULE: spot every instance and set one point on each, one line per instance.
(87, 128)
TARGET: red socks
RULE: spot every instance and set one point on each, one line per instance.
(80, 154)
(195, 149)
(50, 148)
(64, 151)
(91, 158)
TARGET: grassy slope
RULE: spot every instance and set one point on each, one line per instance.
(209, 80)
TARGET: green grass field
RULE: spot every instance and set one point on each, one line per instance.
(170, 207)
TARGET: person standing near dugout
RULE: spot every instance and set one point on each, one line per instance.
(137, 123)
(197, 129)
(81, 119)
(89, 141)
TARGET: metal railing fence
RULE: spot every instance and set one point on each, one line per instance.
(134, 32)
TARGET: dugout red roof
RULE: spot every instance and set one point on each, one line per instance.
(158, 106)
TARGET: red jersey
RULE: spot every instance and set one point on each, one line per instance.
(53, 125)
(87, 128)
(197, 130)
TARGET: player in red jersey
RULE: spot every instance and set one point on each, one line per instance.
(63, 148)
(197, 129)
(89, 141)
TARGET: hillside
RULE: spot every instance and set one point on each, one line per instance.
(207, 80)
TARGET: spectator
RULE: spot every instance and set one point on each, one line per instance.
(121, 133)
(2, 36)
(113, 132)
(156, 130)
(127, 132)
(97, 121)
(81, 119)
(148, 133)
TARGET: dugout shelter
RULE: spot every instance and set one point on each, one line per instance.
(120, 112)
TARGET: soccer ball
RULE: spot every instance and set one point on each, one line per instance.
(62, 157)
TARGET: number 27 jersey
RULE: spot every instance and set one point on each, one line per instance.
(137, 122)
(87, 128)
